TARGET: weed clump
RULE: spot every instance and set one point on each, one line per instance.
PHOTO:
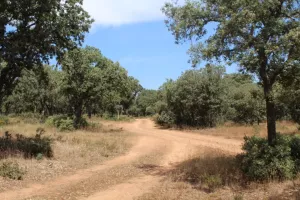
(11, 170)
(64, 123)
(61, 122)
(3, 120)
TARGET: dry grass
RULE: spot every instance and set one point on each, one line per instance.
(212, 174)
(72, 151)
(234, 131)
(103, 180)
(209, 171)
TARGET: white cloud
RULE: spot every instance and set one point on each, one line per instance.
(119, 12)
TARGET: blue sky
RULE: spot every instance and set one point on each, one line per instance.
(133, 32)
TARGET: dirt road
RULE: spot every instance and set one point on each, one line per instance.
(126, 177)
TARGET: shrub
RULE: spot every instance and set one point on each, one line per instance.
(11, 170)
(61, 122)
(55, 120)
(150, 111)
(66, 125)
(165, 119)
(264, 162)
(3, 120)
(295, 151)
(212, 181)
(83, 123)
(134, 111)
(28, 146)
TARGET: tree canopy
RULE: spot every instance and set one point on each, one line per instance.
(262, 37)
(32, 32)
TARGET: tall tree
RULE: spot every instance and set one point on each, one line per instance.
(197, 97)
(32, 32)
(37, 91)
(262, 37)
(80, 81)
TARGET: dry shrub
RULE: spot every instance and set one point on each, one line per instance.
(28, 147)
(209, 171)
(11, 170)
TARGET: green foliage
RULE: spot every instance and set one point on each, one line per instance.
(3, 120)
(244, 100)
(165, 119)
(92, 85)
(38, 32)
(212, 181)
(262, 161)
(150, 111)
(80, 80)
(37, 93)
(262, 37)
(196, 98)
(134, 111)
(66, 125)
(29, 147)
(83, 123)
(208, 97)
(11, 170)
(146, 99)
(63, 123)
(295, 151)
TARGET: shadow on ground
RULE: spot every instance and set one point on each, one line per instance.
(28, 147)
(206, 172)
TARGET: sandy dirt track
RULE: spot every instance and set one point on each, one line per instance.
(173, 147)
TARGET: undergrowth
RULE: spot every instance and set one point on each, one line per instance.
(29, 147)
(11, 170)
(209, 172)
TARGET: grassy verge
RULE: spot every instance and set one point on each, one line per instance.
(211, 174)
(71, 151)
(235, 131)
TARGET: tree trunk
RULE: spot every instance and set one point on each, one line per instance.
(89, 111)
(271, 115)
(78, 113)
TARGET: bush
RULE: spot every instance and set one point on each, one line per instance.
(264, 162)
(28, 146)
(83, 123)
(213, 182)
(295, 151)
(11, 170)
(66, 125)
(134, 111)
(61, 122)
(3, 120)
(165, 119)
(150, 111)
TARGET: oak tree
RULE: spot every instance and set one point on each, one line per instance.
(262, 37)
